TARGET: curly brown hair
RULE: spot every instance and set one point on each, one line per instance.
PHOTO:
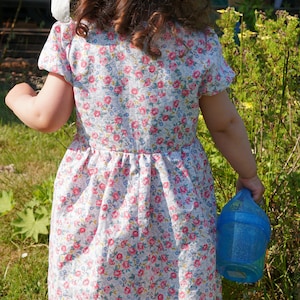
(142, 20)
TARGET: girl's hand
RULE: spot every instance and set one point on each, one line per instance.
(254, 184)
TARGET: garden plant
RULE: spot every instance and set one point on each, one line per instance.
(266, 91)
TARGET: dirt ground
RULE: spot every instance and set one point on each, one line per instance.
(16, 70)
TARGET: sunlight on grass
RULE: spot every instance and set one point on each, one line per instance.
(24, 273)
(35, 157)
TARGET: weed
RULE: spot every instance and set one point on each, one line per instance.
(266, 93)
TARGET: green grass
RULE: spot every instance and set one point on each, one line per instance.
(35, 157)
(24, 272)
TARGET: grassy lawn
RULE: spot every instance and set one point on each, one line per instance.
(33, 158)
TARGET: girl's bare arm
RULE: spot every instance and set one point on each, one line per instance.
(229, 134)
(46, 111)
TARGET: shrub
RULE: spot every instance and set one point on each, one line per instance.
(266, 92)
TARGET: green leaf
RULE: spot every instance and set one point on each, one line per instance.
(30, 224)
(6, 202)
(33, 203)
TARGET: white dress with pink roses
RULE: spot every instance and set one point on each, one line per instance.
(134, 212)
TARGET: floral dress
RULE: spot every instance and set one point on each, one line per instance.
(134, 211)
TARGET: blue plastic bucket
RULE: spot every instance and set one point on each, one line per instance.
(243, 234)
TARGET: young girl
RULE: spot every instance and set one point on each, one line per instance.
(134, 211)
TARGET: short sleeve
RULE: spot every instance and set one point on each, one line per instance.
(54, 55)
(218, 75)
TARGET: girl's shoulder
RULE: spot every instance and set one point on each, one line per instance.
(201, 42)
(189, 36)
(205, 35)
